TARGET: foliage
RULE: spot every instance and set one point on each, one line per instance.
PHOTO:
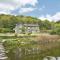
(56, 29)
(5, 30)
(23, 29)
(45, 25)
(22, 42)
(8, 22)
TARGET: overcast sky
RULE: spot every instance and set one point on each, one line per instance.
(43, 9)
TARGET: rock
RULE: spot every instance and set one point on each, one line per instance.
(2, 52)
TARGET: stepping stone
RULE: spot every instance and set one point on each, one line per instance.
(2, 52)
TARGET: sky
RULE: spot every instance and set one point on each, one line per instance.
(42, 9)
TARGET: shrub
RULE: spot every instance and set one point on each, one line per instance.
(5, 30)
(55, 31)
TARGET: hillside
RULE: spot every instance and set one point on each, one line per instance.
(8, 22)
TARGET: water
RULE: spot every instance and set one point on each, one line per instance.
(24, 54)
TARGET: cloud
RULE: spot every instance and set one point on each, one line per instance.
(42, 8)
(5, 8)
(26, 10)
(54, 17)
(8, 6)
(57, 16)
(24, 2)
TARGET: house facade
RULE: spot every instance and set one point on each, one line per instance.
(26, 28)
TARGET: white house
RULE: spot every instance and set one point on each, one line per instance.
(26, 28)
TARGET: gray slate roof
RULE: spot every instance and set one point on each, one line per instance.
(34, 25)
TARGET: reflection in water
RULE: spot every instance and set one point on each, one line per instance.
(24, 54)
